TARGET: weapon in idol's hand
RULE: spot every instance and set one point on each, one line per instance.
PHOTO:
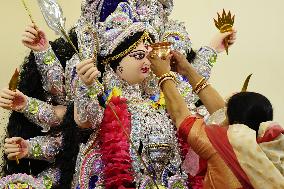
(225, 24)
(31, 18)
(13, 86)
(14, 81)
(53, 15)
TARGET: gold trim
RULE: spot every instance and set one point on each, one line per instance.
(173, 34)
(131, 48)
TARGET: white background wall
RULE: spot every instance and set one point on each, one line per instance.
(259, 48)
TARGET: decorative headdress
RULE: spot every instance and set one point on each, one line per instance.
(119, 26)
(152, 13)
(90, 10)
(168, 6)
(175, 32)
(98, 10)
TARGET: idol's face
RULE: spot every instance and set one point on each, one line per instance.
(135, 67)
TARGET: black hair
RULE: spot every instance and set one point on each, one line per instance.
(72, 136)
(249, 108)
(190, 56)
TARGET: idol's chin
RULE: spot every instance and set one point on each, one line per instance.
(145, 75)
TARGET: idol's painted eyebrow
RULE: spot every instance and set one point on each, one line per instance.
(136, 51)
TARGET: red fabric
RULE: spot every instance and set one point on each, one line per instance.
(185, 127)
(219, 139)
(115, 146)
(202, 167)
(272, 133)
(195, 182)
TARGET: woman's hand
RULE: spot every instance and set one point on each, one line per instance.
(179, 63)
(35, 39)
(87, 71)
(16, 148)
(11, 100)
(218, 42)
(158, 65)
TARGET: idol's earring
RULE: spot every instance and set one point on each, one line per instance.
(111, 79)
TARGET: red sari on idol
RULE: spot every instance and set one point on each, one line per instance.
(235, 159)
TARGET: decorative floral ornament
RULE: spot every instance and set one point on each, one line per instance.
(158, 101)
(115, 92)
(115, 146)
(23, 181)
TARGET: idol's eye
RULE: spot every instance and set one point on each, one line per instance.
(138, 55)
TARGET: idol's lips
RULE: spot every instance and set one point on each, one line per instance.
(145, 69)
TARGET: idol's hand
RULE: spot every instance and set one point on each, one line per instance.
(158, 65)
(16, 148)
(87, 71)
(218, 41)
(11, 100)
(35, 39)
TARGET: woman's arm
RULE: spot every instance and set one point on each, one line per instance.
(176, 106)
(51, 176)
(209, 96)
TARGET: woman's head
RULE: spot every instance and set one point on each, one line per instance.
(249, 108)
(133, 66)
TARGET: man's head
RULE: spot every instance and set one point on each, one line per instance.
(249, 108)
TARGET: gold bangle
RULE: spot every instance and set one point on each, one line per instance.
(199, 84)
(165, 79)
(169, 74)
(203, 86)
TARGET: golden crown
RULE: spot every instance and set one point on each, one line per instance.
(226, 22)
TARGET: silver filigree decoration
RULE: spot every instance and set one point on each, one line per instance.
(52, 14)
